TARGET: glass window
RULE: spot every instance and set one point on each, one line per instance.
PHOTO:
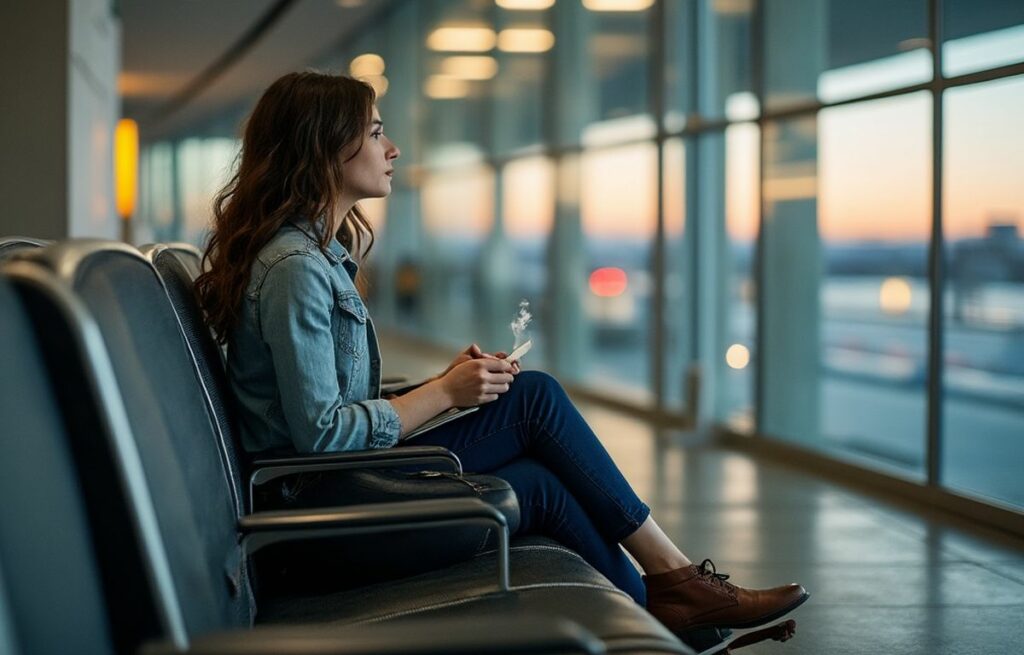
(709, 283)
(724, 29)
(981, 34)
(847, 224)
(983, 221)
(524, 43)
(458, 69)
(458, 216)
(204, 167)
(833, 50)
(528, 213)
(679, 350)
(679, 31)
(618, 216)
(601, 66)
(156, 192)
(734, 345)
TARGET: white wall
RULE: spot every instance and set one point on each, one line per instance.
(59, 61)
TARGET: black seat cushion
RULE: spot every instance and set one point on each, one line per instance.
(547, 579)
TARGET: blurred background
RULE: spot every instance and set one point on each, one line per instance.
(812, 209)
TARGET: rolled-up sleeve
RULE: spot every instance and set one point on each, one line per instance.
(295, 307)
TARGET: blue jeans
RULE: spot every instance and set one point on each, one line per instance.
(568, 487)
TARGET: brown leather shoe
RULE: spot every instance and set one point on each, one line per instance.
(699, 597)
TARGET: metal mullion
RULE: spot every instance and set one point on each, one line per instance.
(696, 125)
(758, 82)
(691, 220)
(656, 83)
(1010, 70)
(933, 452)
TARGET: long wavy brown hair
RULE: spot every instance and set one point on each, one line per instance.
(302, 130)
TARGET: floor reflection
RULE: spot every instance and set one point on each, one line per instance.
(884, 577)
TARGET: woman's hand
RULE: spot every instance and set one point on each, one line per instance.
(472, 352)
(477, 381)
(515, 364)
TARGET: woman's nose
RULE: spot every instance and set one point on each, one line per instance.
(393, 152)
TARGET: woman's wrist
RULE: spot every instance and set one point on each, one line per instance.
(440, 394)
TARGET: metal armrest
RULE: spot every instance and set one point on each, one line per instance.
(265, 528)
(265, 470)
(504, 635)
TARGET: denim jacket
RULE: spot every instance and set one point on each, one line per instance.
(303, 360)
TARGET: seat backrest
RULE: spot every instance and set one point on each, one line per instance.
(190, 256)
(175, 268)
(51, 592)
(11, 245)
(194, 496)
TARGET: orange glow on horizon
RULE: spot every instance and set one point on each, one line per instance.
(618, 192)
(528, 198)
(459, 203)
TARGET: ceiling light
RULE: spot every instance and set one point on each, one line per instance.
(443, 87)
(349, 4)
(462, 39)
(733, 7)
(469, 68)
(368, 64)
(526, 40)
(617, 5)
(378, 82)
(524, 5)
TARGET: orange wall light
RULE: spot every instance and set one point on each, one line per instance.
(126, 166)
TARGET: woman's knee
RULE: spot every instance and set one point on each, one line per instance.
(534, 483)
(538, 383)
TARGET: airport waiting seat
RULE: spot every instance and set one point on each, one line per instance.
(75, 576)
(11, 245)
(177, 265)
(199, 547)
(157, 376)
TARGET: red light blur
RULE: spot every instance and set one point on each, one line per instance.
(608, 282)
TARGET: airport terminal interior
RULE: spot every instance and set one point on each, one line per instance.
(773, 249)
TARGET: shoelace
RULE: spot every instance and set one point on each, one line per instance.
(708, 571)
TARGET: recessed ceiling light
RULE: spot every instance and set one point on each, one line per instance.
(526, 40)
(366, 64)
(617, 5)
(444, 87)
(470, 68)
(462, 39)
(524, 5)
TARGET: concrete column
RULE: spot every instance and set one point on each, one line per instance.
(58, 77)
(563, 315)
(791, 246)
(575, 103)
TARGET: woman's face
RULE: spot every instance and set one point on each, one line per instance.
(368, 173)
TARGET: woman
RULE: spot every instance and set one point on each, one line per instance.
(282, 290)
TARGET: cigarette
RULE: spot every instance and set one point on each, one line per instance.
(518, 353)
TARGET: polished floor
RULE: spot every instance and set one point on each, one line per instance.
(885, 577)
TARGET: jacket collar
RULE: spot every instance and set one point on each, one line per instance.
(335, 252)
